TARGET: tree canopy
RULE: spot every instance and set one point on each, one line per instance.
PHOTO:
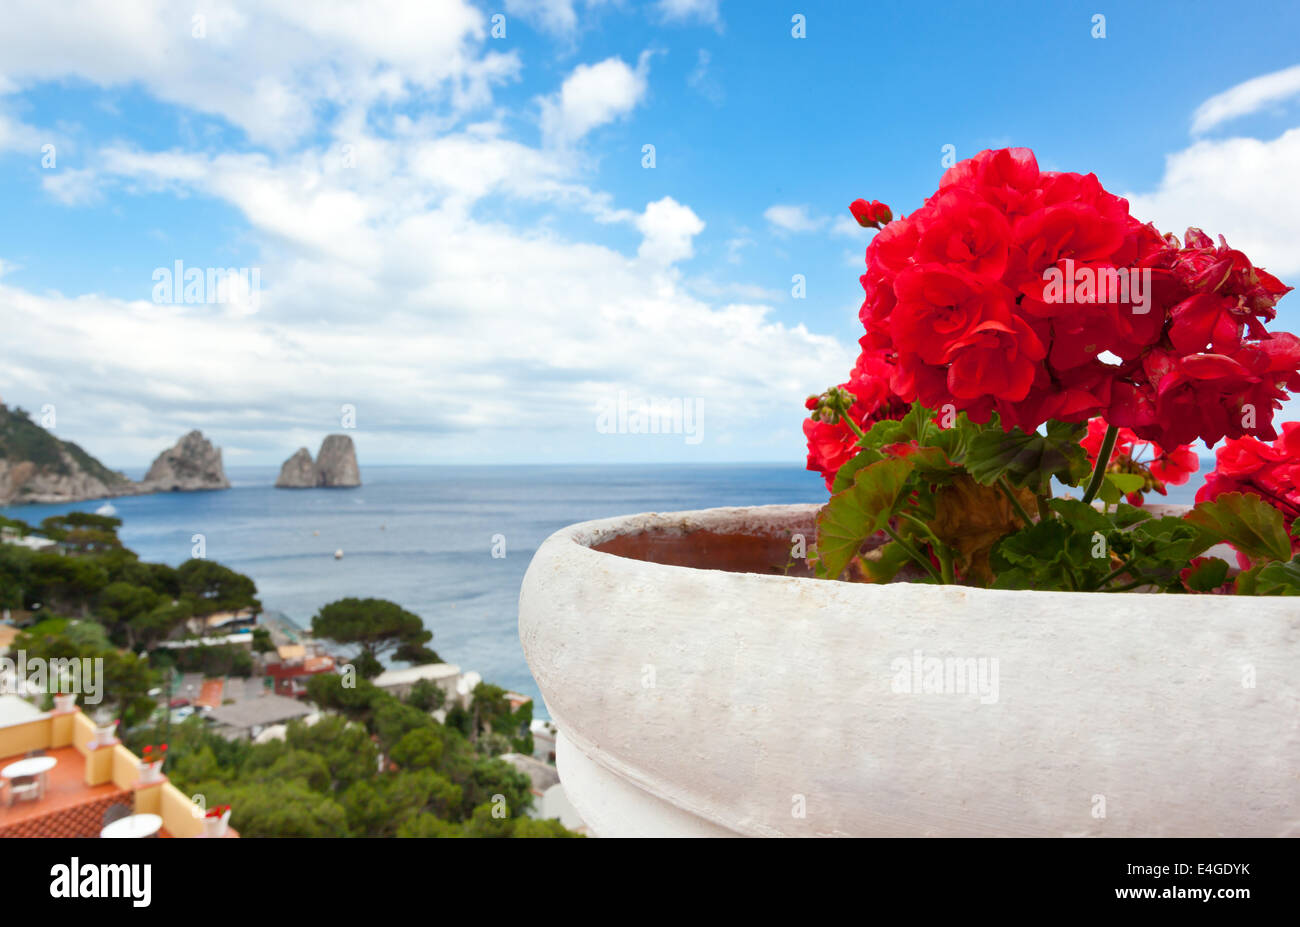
(376, 627)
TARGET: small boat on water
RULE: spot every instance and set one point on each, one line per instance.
(338, 555)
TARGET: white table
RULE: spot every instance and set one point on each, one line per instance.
(32, 766)
(135, 825)
(36, 766)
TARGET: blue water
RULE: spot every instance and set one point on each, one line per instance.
(422, 536)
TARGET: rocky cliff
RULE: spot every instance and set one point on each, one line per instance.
(192, 464)
(298, 472)
(335, 466)
(35, 466)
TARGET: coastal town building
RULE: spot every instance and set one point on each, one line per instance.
(447, 676)
(246, 719)
(294, 664)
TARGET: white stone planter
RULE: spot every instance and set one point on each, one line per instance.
(694, 701)
(106, 733)
(65, 702)
(151, 772)
(216, 827)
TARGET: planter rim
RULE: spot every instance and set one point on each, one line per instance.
(582, 539)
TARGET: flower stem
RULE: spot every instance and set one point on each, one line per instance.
(1103, 461)
(941, 552)
(1015, 503)
(853, 426)
(1115, 573)
(913, 553)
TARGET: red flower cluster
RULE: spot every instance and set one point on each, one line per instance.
(1270, 471)
(1162, 468)
(1003, 290)
(833, 444)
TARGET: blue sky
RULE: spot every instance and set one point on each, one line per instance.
(456, 236)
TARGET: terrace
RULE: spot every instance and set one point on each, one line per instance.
(88, 778)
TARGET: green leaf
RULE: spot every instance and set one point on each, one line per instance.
(1030, 460)
(1209, 574)
(889, 559)
(1126, 482)
(1276, 578)
(1126, 516)
(844, 477)
(1246, 522)
(1031, 558)
(1082, 515)
(1168, 544)
(852, 516)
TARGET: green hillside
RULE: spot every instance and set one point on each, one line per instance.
(22, 439)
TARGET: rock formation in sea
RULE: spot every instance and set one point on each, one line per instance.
(298, 472)
(192, 464)
(335, 466)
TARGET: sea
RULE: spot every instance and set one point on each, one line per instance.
(422, 536)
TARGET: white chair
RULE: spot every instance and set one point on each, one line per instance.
(23, 788)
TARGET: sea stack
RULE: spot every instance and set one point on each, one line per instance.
(298, 471)
(336, 464)
(192, 464)
(335, 467)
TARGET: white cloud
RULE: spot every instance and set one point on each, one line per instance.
(71, 187)
(703, 82)
(668, 228)
(1246, 98)
(16, 136)
(422, 278)
(1242, 188)
(593, 95)
(849, 228)
(261, 66)
(705, 11)
(797, 219)
(555, 16)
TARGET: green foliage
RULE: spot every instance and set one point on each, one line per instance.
(325, 779)
(1276, 578)
(127, 677)
(21, 439)
(215, 660)
(491, 711)
(1029, 460)
(1209, 574)
(262, 641)
(328, 691)
(376, 626)
(421, 748)
(277, 808)
(1087, 550)
(210, 587)
(858, 512)
(426, 695)
(1246, 522)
